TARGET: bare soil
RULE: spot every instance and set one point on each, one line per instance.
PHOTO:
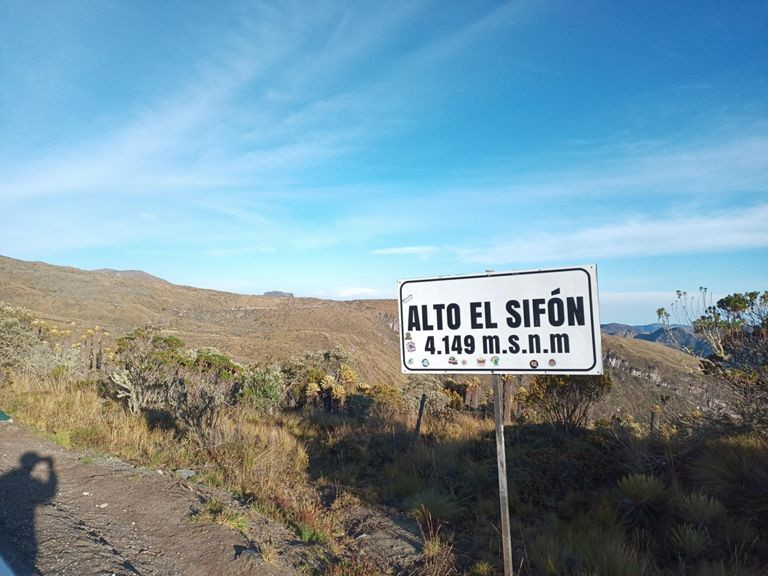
(68, 512)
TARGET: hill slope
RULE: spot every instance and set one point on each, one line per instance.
(258, 328)
(251, 328)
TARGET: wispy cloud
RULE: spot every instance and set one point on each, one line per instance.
(258, 109)
(253, 113)
(635, 237)
(420, 250)
(238, 251)
(702, 166)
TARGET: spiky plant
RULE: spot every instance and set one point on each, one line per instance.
(735, 470)
(644, 499)
(689, 541)
(700, 509)
(431, 503)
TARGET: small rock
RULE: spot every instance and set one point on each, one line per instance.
(185, 474)
(86, 493)
(160, 472)
(103, 505)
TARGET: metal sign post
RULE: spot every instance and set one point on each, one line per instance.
(526, 322)
(501, 462)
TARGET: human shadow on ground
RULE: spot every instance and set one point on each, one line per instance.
(22, 490)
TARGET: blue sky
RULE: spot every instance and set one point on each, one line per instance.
(330, 148)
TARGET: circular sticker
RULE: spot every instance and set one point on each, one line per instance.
(425, 362)
(534, 364)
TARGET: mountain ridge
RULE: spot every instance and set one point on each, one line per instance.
(258, 329)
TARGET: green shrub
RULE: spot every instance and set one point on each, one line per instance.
(18, 336)
(564, 400)
(153, 374)
(145, 369)
(308, 533)
(264, 388)
(320, 378)
(403, 482)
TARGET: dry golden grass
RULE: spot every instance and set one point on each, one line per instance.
(75, 415)
(257, 455)
(260, 460)
(459, 426)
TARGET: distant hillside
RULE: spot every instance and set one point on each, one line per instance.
(622, 330)
(682, 338)
(628, 331)
(645, 373)
(259, 328)
(675, 336)
(251, 328)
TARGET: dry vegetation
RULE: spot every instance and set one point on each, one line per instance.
(304, 437)
(246, 327)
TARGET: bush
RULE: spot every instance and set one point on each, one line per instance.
(146, 369)
(585, 549)
(18, 337)
(544, 465)
(736, 329)
(154, 375)
(29, 345)
(690, 541)
(199, 390)
(264, 388)
(564, 400)
(323, 378)
(432, 503)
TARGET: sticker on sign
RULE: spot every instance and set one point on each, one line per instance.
(535, 321)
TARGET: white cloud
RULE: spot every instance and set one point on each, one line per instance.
(635, 237)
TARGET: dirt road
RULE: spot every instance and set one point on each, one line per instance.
(64, 512)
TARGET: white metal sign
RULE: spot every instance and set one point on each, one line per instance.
(537, 321)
